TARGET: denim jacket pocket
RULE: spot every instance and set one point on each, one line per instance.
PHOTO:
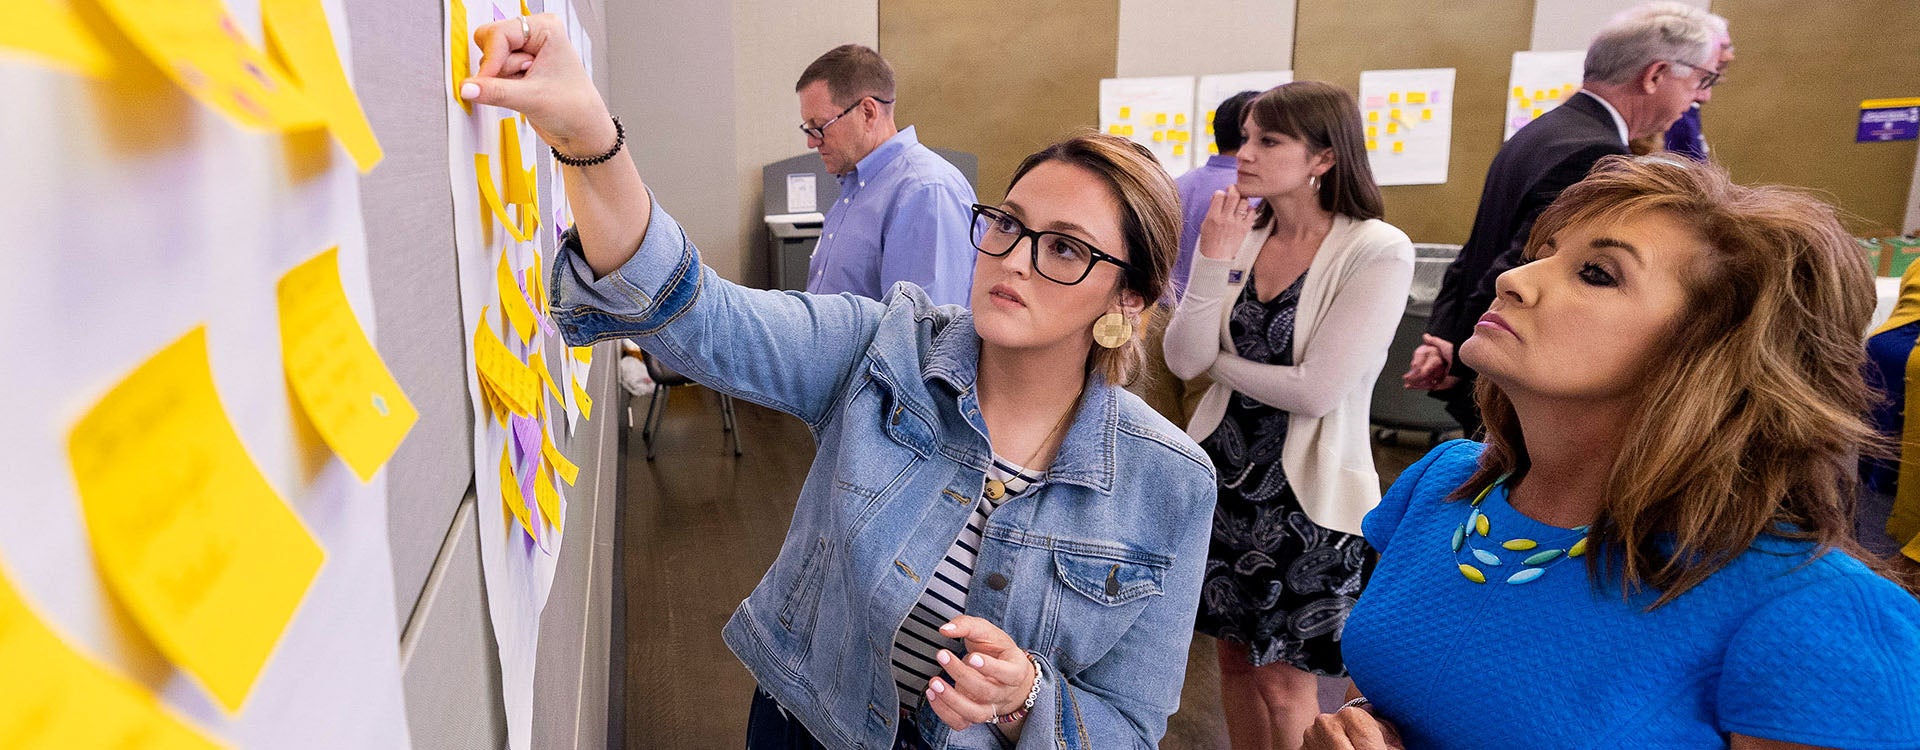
(1101, 591)
(1111, 579)
(803, 601)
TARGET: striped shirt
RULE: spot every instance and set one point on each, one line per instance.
(919, 638)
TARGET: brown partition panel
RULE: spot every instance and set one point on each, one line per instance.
(1787, 112)
(999, 79)
(1336, 39)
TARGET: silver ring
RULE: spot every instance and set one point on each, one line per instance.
(526, 32)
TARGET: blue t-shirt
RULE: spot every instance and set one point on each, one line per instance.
(1780, 644)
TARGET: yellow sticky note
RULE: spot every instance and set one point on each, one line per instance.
(1213, 149)
(1519, 92)
(189, 535)
(582, 353)
(1210, 128)
(1179, 149)
(1373, 145)
(1129, 131)
(1426, 114)
(513, 301)
(1393, 97)
(55, 698)
(523, 8)
(1539, 93)
(1399, 147)
(1373, 131)
(513, 381)
(1126, 113)
(538, 362)
(1183, 135)
(495, 406)
(483, 171)
(297, 35)
(1526, 103)
(1394, 113)
(1159, 118)
(335, 372)
(203, 50)
(567, 469)
(547, 499)
(1210, 114)
(1180, 118)
(1159, 136)
(50, 33)
(515, 187)
(511, 496)
(1393, 127)
(460, 45)
(1416, 97)
(1537, 112)
(1373, 116)
(586, 402)
(1113, 130)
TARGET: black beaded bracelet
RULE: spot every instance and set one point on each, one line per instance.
(619, 139)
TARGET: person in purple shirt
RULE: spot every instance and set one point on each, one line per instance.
(1196, 187)
(903, 213)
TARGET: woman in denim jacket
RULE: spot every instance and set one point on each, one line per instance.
(1080, 592)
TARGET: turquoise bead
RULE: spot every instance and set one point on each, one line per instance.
(1486, 557)
(1459, 537)
(1525, 575)
(1543, 557)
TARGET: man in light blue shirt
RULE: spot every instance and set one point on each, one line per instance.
(904, 213)
(1197, 186)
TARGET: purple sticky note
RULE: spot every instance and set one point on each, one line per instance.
(526, 438)
(499, 15)
(1888, 124)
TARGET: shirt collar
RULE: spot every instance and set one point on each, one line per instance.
(885, 154)
(1618, 122)
(1223, 160)
(1087, 452)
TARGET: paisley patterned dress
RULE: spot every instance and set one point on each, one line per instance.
(1275, 581)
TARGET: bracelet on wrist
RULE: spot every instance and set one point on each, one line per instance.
(1033, 694)
(619, 140)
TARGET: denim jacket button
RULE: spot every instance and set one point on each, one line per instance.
(997, 582)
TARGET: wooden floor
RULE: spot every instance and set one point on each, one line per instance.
(698, 529)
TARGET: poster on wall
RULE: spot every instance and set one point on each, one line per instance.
(1408, 116)
(1539, 82)
(1153, 112)
(1214, 89)
(523, 382)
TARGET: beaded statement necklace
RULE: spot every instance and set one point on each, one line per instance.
(1537, 558)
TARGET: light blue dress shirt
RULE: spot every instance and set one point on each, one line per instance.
(902, 215)
(1196, 193)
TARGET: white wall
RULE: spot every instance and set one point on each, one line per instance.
(1570, 24)
(1912, 224)
(706, 92)
(1198, 37)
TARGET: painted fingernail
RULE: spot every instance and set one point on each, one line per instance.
(942, 657)
(947, 628)
(469, 90)
(526, 64)
(976, 660)
(939, 688)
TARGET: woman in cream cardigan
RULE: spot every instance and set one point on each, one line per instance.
(1290, 307)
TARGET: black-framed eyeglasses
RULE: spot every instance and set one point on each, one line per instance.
(820, 131)
(1709, 77)
(1060, 258)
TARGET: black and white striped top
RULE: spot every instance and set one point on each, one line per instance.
(919, 638)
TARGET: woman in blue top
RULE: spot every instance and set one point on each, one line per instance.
(1653, 549)
(996, 543)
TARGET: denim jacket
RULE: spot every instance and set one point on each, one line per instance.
(1097, 573)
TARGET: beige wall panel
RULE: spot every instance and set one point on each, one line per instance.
(1198, 37)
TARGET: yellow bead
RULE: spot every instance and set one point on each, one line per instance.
(1480, 525)
(1579, 548)
(1519, 545)
(1472, 573)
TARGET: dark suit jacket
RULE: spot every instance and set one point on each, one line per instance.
(1543, 158)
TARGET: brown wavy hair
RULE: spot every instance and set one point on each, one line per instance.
(1149, 222)
(1753, 417)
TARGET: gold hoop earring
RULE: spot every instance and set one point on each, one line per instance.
(1112, 330)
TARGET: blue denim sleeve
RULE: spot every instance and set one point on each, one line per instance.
(1834, 664)
(1125, 699)
(786, 350)
(927, 243)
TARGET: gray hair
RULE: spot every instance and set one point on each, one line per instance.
(1647, 34)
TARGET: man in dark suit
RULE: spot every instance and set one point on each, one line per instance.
(1643, 70)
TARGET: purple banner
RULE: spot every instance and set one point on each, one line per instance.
(1891, 124)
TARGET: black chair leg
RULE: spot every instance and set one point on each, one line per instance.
(655, 416)
(730, 421)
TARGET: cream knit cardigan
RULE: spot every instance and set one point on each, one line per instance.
(1354, 295)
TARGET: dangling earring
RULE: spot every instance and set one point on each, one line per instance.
(1112, 330)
